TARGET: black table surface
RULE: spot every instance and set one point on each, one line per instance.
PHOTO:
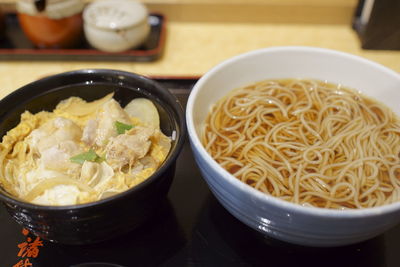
(193, 229)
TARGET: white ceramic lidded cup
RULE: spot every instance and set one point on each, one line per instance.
(116, 25)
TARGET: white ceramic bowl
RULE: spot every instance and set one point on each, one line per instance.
(274, 217)
(115, 25)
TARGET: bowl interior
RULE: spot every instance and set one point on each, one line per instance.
(273, 216)
(351, 71)
(336, 67)
(91, 85)
(48, 101)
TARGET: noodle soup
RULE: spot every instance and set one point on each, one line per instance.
(308, 142)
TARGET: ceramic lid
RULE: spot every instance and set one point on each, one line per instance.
(55, 9)
(115, 14)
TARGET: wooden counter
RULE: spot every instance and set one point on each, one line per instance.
(194, 46)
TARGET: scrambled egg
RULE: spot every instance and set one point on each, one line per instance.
(82, 151)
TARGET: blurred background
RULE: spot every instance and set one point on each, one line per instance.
(202, 33)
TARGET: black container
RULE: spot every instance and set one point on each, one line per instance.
(107, 218)
(377, 24)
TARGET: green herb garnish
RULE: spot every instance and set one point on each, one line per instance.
(89, 156)
(122, 127)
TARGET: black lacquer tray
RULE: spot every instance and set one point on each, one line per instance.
(14, 45)
(192, 229)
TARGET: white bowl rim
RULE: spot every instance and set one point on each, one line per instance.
(311, 211)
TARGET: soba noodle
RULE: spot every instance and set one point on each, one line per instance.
(308, 142)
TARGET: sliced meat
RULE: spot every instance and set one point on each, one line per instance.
(127, 148)
(107, 115)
